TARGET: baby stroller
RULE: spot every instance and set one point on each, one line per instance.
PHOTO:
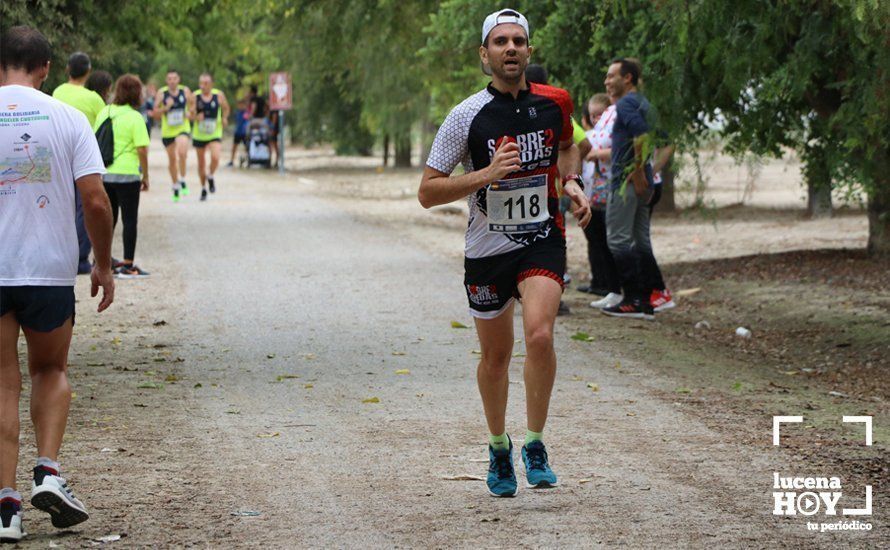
(257, 145)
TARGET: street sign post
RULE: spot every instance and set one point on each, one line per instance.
(280, 99)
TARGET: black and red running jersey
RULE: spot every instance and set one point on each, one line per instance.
(538, 119)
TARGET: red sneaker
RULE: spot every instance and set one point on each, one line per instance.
(661, 300)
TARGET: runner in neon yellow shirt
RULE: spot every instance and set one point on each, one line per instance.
(89, 103)
(210, 111)
(173, 107)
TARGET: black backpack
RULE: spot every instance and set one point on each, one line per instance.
(105, 137)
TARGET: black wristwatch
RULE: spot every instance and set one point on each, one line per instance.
(576, 178)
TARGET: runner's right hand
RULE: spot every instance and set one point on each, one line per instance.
(103, 278)
(505, 161)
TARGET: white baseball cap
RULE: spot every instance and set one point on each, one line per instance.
(503, 16)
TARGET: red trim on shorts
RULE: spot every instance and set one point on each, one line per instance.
(539, 272)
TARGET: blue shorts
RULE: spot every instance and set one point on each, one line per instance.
(40, 308)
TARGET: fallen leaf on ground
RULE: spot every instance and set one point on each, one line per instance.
(371, 400)
(275, 434)
(403, 371)
(245, 513)
(683, 390)
(588, 480)
(687, 292)
(309, 356)
(309, 386)
(631, 414)
(95, 364)
(270, 356)
(475, 352)
(108, 538)
(399, 353)
(518, 354)
(593, 386)
(582, 337)
(233, 411)
(150, 386)
(837, 394)
(160, 323)
(171, 378)
(198, 385)
(464, 477)
(281, 377)
(457, 324)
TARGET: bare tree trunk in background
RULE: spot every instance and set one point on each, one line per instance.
(818, 177)
(403, 150)
(879, 207)
(385, 150)
(668, 201)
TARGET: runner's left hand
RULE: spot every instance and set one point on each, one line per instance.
(582, 206)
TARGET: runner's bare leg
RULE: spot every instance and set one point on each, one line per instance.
(496, 341)
(182, 151)
(50, 391)
(540, 302)
(10, 391)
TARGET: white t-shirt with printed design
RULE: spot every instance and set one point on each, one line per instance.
(45, 145)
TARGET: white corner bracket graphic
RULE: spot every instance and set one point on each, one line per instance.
(865, 420)
(777, 420)
(861, 511)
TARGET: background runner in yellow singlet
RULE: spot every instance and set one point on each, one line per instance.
(173, 106)
(210, 111)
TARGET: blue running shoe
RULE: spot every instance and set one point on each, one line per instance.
(501, 475)
(537, 470)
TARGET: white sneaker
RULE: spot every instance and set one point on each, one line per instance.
(51, 494)
(10, 520)
(610, 300)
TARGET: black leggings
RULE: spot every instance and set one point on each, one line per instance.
(125, 196)
(603, 272)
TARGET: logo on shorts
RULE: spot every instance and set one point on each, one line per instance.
(42, 201)
(483, 295)
(25, 137)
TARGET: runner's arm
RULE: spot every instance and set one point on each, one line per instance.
(97, 218)
(190, 104)
(439, 188)
(143, 164)
(160, 107)
(225, 108)
(569, 162)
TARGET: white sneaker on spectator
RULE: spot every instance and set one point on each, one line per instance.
(610, 300)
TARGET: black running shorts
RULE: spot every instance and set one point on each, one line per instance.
(493, 282)
(168, 141)
(200, 143)
(40, 308)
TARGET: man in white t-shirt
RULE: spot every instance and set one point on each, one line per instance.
(44, 146)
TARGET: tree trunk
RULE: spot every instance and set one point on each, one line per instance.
(403, 151)
(818, 178)
(668, 202)
(879, 207)
(385, 150)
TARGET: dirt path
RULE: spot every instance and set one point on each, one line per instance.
(233, 381)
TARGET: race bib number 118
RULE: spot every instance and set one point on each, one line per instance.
(518, 205)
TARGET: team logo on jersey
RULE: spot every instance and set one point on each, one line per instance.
(42, 201)
(483, 295)
(25, 137)
(532, 112)
(535, 148)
